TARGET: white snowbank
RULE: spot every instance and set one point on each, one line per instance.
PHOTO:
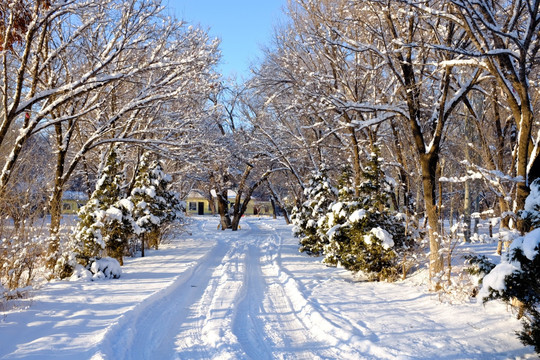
(495, 279)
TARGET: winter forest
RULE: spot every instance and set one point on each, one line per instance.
(385, 133)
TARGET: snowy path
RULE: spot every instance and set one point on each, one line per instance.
(249, 295)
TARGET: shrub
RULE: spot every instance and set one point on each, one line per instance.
(319, 194)
(361, 233)
(515, 280)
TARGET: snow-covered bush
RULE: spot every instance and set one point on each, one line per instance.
(97, 269)
(363, 236)
(319, 194)
(478, 266)
(516, 279)
(110, 221)
(119, 226)
(154, 204)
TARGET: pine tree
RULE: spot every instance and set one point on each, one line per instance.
(155, 205)
(319, 194)
(363, 236)
(520, 268)
(104, 222)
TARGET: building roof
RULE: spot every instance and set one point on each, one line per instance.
(195, 193)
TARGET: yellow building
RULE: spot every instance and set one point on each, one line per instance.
(72, 201)
(198, 204)
(259, 207)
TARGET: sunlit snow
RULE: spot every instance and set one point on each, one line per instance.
(212, 294)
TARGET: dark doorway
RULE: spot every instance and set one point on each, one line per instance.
(201, 208)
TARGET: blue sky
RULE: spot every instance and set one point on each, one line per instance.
(242, 25)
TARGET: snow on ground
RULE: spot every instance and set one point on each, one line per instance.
(249, 294)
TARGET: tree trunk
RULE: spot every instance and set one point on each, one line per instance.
(235, 222)
(477, 211)
(211, 203)
(223, 210)
(355, 157)
(467, 211)
(239, 205)
(467, 184)
(428, 164)
(403, 187)
(451, 216)
(440, 170)
(55, 208)
(522, 190)
(55, 203)
(277, 198)
(239, 210)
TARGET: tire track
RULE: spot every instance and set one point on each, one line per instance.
(237, 302)
(211, 331)
(248, 325)
(148, 331)
(267, 324)
(346, 338)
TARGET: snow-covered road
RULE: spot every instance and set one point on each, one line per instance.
(248, 295)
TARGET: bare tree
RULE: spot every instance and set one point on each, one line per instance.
(505, 41)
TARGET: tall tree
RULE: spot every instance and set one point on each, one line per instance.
(505, 39)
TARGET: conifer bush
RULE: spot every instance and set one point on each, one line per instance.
(105, 222)
(111, 221)
(353, 228)
(516, 279)
(101, 224)
(363, 235)
(319, 194)
(154, 204)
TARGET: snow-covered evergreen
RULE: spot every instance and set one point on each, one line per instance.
(105, 222)
(154, 204)
(363, 236)
(515, 280)
(531, 211)
(319, 194)
(111, 219)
